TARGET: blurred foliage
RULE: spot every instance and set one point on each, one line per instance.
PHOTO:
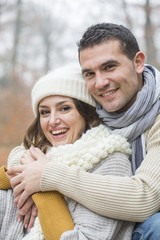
(37, 36)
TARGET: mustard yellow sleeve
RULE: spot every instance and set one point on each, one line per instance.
(53, 213)
(4, 180)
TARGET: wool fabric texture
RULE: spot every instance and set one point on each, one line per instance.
(94, 145)
(4, 181)
(59, 221)
(139, 117)
(65, 81)
(10, 228)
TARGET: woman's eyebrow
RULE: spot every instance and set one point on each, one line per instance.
(43, 106)
(62, 102)
(57, 104)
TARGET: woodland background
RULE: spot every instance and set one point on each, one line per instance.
(37, 36)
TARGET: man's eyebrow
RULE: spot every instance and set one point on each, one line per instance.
(86, 70)
(109, 62)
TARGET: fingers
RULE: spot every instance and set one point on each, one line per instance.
(15, 180)
(29, 217)
(36, 153)
(19, 216)
(34, 210)
(26, 206)
(21, 194)
(33, 216)
(10, 176)
(27, 182)
(16, 199)
(22, 199)
(15, 170)
(29, 211)
(26, 158)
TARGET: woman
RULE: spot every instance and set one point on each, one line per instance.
(66, 119)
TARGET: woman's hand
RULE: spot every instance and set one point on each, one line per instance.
(27, 177)
(30, 212)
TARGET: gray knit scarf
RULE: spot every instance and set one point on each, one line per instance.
(139, 117)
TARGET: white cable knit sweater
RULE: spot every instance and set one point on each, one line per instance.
(86, 153)
(94, 145)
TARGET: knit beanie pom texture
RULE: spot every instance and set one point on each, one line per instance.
(66, 81)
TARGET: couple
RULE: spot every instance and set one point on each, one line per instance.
(127, 93)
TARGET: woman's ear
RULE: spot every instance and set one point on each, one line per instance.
(139, 62)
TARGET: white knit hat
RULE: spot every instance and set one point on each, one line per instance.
(65, 81)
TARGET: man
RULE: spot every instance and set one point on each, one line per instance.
(128, 95)
(113, 67)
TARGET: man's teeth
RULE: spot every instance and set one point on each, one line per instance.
(108, 93)
(59, 131)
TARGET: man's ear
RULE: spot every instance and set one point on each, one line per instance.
(139, 62)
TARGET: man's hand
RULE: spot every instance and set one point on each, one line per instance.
(27, 157)
(27, 177)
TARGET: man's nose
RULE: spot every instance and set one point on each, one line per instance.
(101, 80)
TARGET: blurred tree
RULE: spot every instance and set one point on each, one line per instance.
(127, 15)
(37, 36)
(15, 117)
(149, 29)
(16, 38)
(151, 50)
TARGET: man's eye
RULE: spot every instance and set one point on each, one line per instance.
(108, 67)
(88, 75)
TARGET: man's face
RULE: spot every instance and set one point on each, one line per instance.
(112, 78)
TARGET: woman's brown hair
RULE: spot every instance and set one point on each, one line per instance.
(35, 136)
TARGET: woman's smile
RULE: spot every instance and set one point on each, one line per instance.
(60, 120)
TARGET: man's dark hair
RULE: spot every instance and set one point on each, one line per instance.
(100, 33)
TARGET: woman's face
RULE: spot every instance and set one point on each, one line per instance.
(60, 121)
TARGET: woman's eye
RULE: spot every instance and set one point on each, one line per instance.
(65, 108)
(44, 112)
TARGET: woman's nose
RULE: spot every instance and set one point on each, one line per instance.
(54, 119)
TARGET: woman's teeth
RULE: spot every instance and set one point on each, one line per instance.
(59, 131)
